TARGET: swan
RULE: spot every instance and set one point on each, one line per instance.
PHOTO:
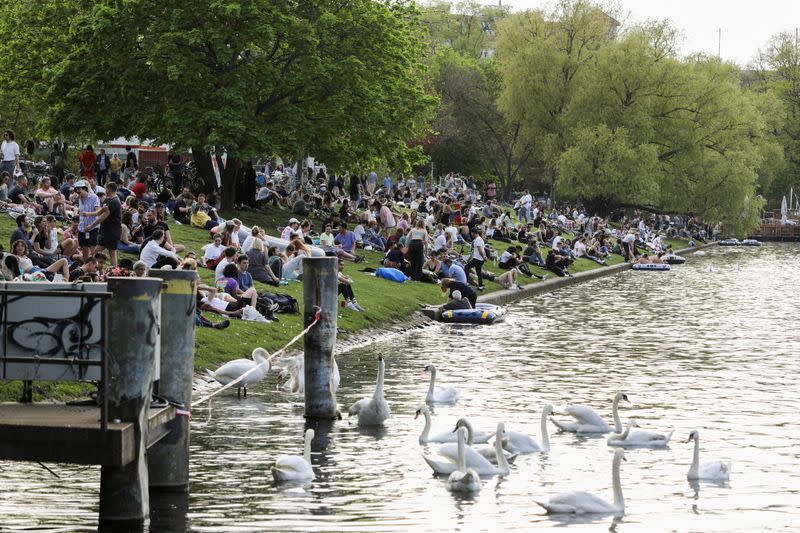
(442, 394)
(447, 464)
(472, 452)
(463, 480)
(713, 471)
(373, 411)
(293, 368)
(294, 467)
(232, 370)
(516, 442)
(584, 502)
(639, 439)
(588, 421)
(448, 436)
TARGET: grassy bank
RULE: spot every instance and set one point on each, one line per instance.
(385, 302)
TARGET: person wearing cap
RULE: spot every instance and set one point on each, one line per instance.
(456, 302)
(88, 203)
(292, 229)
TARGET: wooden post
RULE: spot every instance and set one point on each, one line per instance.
(320, 289)
(168, 459)
(133, 339)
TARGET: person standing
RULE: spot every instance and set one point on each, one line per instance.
(102, 165)
(477, 256)
(87, 159)
(88, 203)
(114, 167)
(58, 161)
(417, 239)
(525, 206)
(131, 163)
(109, 219)
(250, 185)
(10, 150)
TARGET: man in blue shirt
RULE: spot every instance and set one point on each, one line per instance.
(88, 202)
(244, 277)
(453, 270)
(347, 240)
(387, 184)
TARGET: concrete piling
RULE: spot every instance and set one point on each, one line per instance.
(133, 341)
(168, 459)
(320, 290)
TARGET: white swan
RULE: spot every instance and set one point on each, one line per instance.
(639, 439)
(448, 436)
(516, 442)
(586, 503)
(447, 464)
(372, 411)
(294, 467)
(234, 369)
(588, 421)
(712, 471)
(442, 394)
(463, 480)
(293, 369)
(473, 452)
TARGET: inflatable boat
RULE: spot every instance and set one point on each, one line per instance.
(729, 242)
(651, 266)
(751, 242)
(482, 314)
(674, 259)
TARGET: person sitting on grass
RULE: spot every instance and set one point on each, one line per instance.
(258, 265)
(346, 289)
(292, 230)
(213, 252)
(229, 283)
(449, 284)
(228, 257)
(243, 277)
(88, 271)
(155, 255)
(456, 302)
(347, 241)
(557, 264)
(24, 265)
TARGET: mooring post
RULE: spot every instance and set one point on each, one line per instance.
(168, 459)
(320, 293)
(133, 339)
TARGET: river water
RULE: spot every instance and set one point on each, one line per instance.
(711, 345)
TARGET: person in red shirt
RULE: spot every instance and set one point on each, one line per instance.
(87, 160)
(140, 187)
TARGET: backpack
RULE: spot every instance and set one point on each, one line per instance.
(286, 303)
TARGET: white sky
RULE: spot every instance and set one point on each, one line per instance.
(746, 25)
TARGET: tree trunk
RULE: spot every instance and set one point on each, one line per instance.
(228, 175)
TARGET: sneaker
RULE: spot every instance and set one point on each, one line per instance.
(358, 305)
(352, 306)
(519, 287)
(222, 325)
(359, 259)
(544, 277)
(481, 288)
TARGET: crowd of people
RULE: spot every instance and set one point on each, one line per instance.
(433, 232)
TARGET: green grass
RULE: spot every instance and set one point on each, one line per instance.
(385, 302)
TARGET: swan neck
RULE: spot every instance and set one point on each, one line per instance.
(470, 433)
(696, 457)
(545, 434)
(624, 434)
(462, 454)
(432, 383)
(502, 464)
(424, 436)
(307, 448)
(379, 385)
(615, 414)
(619, 501)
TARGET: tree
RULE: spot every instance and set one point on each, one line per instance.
(339, 80)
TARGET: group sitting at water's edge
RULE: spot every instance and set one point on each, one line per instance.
(439, 233)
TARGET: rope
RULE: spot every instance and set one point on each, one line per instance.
(317, 314)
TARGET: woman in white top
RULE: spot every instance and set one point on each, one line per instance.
(293, 267)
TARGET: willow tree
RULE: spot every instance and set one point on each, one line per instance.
(340, 80)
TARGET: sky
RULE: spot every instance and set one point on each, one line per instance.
(746, 25)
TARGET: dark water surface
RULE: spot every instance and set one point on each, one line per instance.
(694, 349)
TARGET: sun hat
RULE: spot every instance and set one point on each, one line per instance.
(80, 183)
(293, 221)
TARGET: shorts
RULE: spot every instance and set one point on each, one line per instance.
(110, 239)
(88, 239)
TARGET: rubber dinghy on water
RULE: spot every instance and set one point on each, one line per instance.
(751, 242)
(651, 266)
(674, 259)
(730, 242)
(482, 314)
